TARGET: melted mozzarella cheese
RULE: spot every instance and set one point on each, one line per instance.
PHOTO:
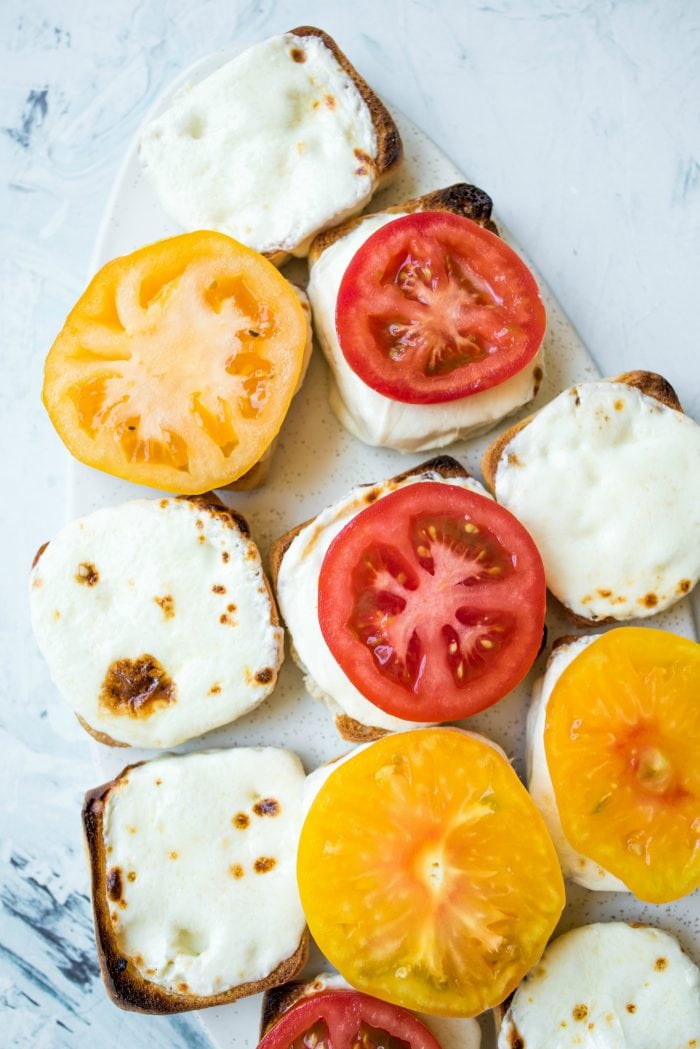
(379, 420)
(155, 620)
(205, 849)
(575, 866)
(297, 593)
(607, 985)
(274, 146)
(451, 1032)
(607, 482)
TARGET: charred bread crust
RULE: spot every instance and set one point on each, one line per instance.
(278, 1000)
(389, 145)
(460, 199)
(125, 986)
(349, 728)
(38, 554)
(565, 639)
(649, 383)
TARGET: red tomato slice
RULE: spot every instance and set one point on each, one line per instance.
(347, 1020)
(432, 601)
(433, 308)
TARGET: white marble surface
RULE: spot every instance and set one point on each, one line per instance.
(580, 119)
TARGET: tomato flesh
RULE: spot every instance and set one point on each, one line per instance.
(433, 308)
(432, 601)
(623, 724)
(440, 884)
(347, 1020)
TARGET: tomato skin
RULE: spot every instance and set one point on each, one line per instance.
(343, 1012)
(434, 308)
(453, 616)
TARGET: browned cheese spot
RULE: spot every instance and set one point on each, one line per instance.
(241, 820)
(580, 1012)
(267, 807)
(619, 405)
(132, 830)
(330, 101)
(228, 618)
(236, 870)
(218, 588)
(183, 987)
(202, 538)
(114, 884)
(199, 523)
(298, 55)
(87, 574)
(315, 104)
(137, 960)
(166, 605)
(605, 593)
(365, 162)
(251, 552)
(513, 459)
(131, 875)
(660, 964)
(516, 1040)
(631, 1007)
(137, 687)
(372, 495)
(649, 600)
(150, 972)
(173, 855)
(263, 864)
(684, 586)
(577, 399)
(225, 556)
(591, 1027)
(163, 503)
(215, 689)
(538, 376)
(264, 676)
(56, 614)
(158, 782)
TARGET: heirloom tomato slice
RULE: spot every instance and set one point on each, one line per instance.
(622, 739)
(347, 1020)
(434, 307)
(432, 601)
(176, 366)
(426, 873)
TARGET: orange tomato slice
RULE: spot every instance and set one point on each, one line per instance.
(426, 873)
(622, 739)
(177, 365)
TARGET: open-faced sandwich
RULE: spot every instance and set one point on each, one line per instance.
(606, 985)
(413, 600)
(613, 738)
(432, 326)
(156, 620)
(194, 888)
(606, 478)
(274, 146)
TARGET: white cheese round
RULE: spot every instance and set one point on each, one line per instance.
(379, 420)
(297, 594)
(607, 986)
(576, 867)
(205, 849)
(274, 146)
(156, 621)
(607, 482)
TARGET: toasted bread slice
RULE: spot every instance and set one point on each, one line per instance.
(459, 199)
(125, 601)
(280, 142)
(659, 595)
(162, 948)
(444, 467)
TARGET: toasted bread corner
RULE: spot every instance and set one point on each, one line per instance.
(125, 986)
(459, 199)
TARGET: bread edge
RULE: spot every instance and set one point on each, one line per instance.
(128, 989)
(461, 198)
(649, 383)
(349, 728)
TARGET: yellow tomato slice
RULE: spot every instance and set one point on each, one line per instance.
(176, 367)
(622, 739)
(426, 873)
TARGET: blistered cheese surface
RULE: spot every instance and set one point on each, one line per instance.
(155, 620)
(581, 869)
(379, 420)
(297, 593)
(201, 867)
(607, 986)
(607, 482)
(271, 148)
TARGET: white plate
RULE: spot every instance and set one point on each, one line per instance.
(315, 462)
